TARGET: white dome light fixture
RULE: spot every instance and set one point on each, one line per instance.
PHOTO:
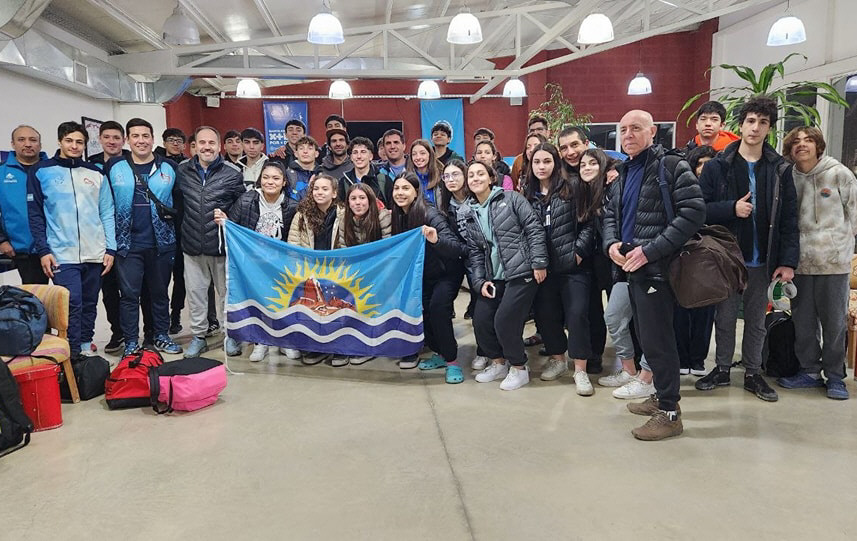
(788, 30)
(248, 88)
(851, 84)
(595, 28)
(639, 85)
(179, 29)
(325, 29)
(429, 90)
(464, 29)
(514, 88)
(339, 90)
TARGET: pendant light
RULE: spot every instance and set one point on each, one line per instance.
(179, 29)
(464, 29)
(339, 90)
(514, 88)
(248, 88)
(429, 90)
(325, 28)
(595, 28)
(788, 30)
(639, 85)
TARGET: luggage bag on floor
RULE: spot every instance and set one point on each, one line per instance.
(128, 384)
(91, 374)
(186, 384)
(15, 426)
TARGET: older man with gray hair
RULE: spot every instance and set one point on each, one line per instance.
(640, 235)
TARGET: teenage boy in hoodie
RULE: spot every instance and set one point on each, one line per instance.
(253, 160)
(72, 219)
(710, 119)
(16, 241)
(361, 150)
(303, 168)
(827, 220)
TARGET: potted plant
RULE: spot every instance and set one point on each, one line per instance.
(558, 111)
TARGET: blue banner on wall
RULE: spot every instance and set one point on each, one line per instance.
(363, 300)
(277, 113)
(450, 110)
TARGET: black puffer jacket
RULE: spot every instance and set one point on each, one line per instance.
(518, 233)
(224, 184)
(777, 225)
(245, 212)
(567, 236)
(443, 258)
(658, 238)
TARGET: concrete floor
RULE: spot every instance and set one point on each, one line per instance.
(374, 452)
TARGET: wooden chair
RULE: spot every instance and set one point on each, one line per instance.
(55, 346)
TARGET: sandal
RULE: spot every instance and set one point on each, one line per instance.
(453, 374)
(533, 340)
(432, 363)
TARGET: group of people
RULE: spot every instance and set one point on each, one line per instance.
(544, 239)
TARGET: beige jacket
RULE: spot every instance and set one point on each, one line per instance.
(303, 236)
(827, 217)
(383, 217)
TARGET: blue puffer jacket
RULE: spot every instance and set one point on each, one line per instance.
(71, 211)
(162, 181)
(13, 205)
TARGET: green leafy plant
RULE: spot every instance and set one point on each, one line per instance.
(558, 111)
(769, 81)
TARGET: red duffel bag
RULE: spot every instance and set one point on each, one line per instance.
(128, 384)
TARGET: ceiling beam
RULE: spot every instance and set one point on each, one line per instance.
(571, 18)
(204, 22)
(351, 50)
(499, 30)
(147, 34)
(417, 49)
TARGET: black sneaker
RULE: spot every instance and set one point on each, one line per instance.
(716, 378)
(213, 328)
(757, 385)
(175, 328)
(115, 345)
(148, 342)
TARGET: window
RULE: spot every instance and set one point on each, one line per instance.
(605, 135)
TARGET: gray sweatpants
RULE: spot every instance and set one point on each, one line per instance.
(618, 316)
(199, 272)
(726, 318)
(821, 299)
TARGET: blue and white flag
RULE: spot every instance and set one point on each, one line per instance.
(363, 300)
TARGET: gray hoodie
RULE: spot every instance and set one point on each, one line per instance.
(827, 217)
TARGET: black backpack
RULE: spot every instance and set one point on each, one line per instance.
(23, 321)
(778, 354)
(15, 426)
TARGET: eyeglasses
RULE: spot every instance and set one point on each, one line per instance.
(174, 140)
(449, 176)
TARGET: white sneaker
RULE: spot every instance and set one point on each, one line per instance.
(684, 371)
(584, 386)
(634, 389)
(479, 362)
(493, 372)
(339, 360)
(697, 372)
(517, 377)
(615, 380)
(360, 360)
(259, 352)
(291, 353)
(554, 369)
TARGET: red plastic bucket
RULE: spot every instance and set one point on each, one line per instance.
(40, 394)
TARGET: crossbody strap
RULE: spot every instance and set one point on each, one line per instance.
(665, 190)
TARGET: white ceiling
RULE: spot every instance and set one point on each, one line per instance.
(384, 38)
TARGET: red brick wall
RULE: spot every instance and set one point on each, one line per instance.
(675, 63)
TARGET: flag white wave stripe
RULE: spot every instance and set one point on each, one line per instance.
(326, 319)
(298, 328)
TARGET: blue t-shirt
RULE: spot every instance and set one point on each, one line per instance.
(142, 232)
(751, 170)
(631, 196)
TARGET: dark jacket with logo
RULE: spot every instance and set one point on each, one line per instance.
(723, 182)
(222, 186)
(519, 236)
(658, 237)
(566, 236)
(380, 183)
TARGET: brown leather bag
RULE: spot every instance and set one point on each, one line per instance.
(708, 269)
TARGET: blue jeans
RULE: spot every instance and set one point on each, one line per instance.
(155, 269)
(83, 281)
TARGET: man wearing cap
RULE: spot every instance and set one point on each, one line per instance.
(254, 156)
(441, 136)
(337, 162)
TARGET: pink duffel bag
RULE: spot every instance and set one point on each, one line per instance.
(186, 384)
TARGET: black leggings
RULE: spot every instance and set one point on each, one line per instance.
(498, 323)
(438, 298)
(563, 300)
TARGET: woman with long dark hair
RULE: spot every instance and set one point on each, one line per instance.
(316, 226)
(531, 141)
(443, 270)
(424, 163)
(507, 258)
(266, 209)
(562, 299)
